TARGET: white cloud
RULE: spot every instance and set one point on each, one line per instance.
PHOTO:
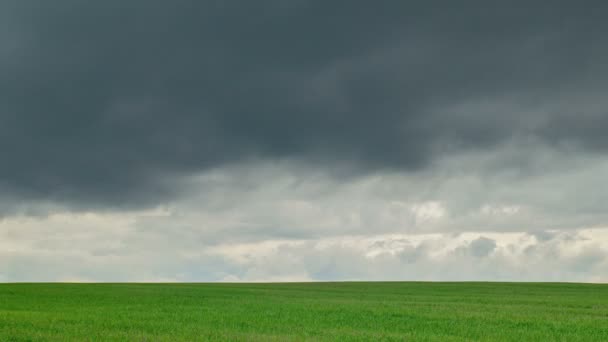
(110, 247)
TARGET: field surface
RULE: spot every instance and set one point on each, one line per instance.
(304, 312)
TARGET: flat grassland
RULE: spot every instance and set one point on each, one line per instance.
(391, 311)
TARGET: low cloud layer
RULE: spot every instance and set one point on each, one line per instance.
(124, 253)
(275, 222)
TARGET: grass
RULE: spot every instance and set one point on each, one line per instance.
(304, 311)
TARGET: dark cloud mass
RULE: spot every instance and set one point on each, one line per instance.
(102, 101)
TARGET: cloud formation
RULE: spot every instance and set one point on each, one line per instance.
(111, 103)
(275, 222)
(88, 247)
(303, 139)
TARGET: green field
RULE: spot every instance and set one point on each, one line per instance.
(304, 311)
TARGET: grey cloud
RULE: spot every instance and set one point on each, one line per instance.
(283, 201)
(482, 246)
(112, 103)
(544, 235)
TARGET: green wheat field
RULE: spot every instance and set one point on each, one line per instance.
(351, 311)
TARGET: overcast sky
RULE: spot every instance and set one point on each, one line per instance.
(289, 140)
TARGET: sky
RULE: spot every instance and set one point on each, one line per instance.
(303, 140)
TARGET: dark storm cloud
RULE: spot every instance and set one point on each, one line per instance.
(101, 102)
